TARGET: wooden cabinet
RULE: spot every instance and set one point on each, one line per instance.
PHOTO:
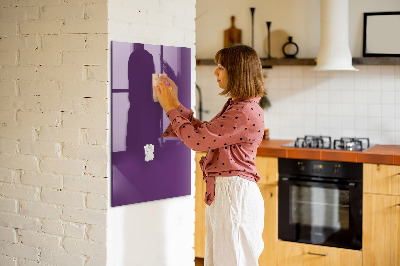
(270, 233)
(200, 207)
(268, 169)
(381, 215)
(298, 254)
(381, 179)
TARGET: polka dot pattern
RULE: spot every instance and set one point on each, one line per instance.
(231, 139)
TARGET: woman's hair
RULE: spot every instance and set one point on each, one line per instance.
(245, 77)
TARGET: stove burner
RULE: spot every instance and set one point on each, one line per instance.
(351, 144)
(308, 141)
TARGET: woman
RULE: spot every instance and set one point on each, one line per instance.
(235, 207)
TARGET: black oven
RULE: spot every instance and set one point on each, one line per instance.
(320, 202)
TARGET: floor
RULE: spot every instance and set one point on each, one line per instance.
(199, 262)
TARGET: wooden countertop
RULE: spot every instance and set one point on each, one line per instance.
(379, 154)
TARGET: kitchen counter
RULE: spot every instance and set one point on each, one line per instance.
(379, 154)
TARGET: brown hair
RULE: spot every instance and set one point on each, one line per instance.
(245, 78)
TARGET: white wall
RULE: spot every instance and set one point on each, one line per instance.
(338, 104)
(158, 232)
(299, 18)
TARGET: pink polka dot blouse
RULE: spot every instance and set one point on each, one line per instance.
(231, 139)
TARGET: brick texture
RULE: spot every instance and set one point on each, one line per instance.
(53, 80)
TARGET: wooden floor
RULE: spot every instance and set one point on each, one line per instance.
(199, 262)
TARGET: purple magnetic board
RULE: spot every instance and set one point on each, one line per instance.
(136, 121)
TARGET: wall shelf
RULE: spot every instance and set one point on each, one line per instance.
(312, 61)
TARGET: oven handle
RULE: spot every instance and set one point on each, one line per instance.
(298, 181)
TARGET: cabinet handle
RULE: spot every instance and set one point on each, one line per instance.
(318, 254)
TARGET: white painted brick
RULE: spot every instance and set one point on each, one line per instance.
(17, 191)
(7, 88)
(56, 103)
(98, 234)
(8, 205)
(53, 227)
(8, 58)
(41, 179)
(17, 132)
(8, 261)
(86, 184)
(63, 197)
(88, 57)
(18, 72)
(35, 239)
(97, 42)
(94, 201)
(25, 262)
(62, 12)
(40, 58)
(87, 88)
(39, 118)
(97, 105)
(61, 259)
(39, 87)
(95, 168)
(19, 221)
(84, 216)
(19, 13)
(40, 27)
(97, 11)
(19, 43)
(84, 26)
(34, 2)
(7, 117)
(38, 209)
(23, 102)
(96, 136)
(99, 260)
(8, 234)
(85, 121)
(62, 166)
(18, 250)
(64, 42)
(41, 148)
(7, 175)
(8, 146)
(57, 134)
(60, 73)
(85, 152)
(19, 161)
(98, 73)
(84, 247)
(75, 230)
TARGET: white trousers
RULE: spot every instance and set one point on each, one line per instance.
(234, 223)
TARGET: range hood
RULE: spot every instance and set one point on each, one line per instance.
(334, 51)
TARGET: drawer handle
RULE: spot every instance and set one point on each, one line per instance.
(318, 254)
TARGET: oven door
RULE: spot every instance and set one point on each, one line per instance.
(321, 212)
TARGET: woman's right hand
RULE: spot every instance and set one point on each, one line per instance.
(174, 91)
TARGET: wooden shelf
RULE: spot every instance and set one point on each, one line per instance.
(312, 61)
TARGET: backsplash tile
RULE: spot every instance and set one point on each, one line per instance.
(364, 103)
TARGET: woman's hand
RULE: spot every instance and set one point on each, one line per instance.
(164, 95)
(174, 90)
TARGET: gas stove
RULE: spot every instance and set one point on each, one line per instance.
(325, 142)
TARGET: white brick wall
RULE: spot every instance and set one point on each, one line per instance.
(53, 121)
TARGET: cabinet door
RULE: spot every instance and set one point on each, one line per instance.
(267, 168)
(270, 233)
(381, 179)
(297, 254)
(200, 207)
(381, 230)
